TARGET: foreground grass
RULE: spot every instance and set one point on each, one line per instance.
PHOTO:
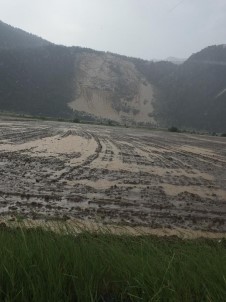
(37, 265)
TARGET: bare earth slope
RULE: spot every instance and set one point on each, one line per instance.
(112, 88)
(113, 175)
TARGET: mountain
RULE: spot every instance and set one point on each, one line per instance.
(175, 60)
(11, 37)
(193, 96)
(40, 78)
(37, 81)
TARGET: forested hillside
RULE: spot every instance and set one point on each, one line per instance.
(11, 37)
(37, 80)
(194, 94)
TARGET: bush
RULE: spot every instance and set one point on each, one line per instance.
(173, 129)
(76, 120)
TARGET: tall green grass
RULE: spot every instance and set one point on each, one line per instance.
(37, 265)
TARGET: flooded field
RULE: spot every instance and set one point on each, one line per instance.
(112, 175)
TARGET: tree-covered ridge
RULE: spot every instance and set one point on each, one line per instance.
(11, 37)
(212, 55)
(195, 95)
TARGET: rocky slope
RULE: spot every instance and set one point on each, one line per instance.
(110, 87)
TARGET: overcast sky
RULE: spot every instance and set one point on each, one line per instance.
(149, 29)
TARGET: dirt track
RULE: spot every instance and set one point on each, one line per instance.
(113, 175)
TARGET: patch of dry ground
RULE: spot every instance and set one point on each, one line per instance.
(116, 176)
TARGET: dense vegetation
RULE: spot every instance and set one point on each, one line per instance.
(40, 265)
(193, 94)
(37, 80)
(11, 37)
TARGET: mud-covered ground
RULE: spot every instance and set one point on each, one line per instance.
(112, 175)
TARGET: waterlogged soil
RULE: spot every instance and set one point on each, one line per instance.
(112, 175)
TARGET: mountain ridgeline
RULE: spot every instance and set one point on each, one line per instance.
(11, 37)
(40, 78)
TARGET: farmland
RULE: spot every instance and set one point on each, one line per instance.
(122, 176)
